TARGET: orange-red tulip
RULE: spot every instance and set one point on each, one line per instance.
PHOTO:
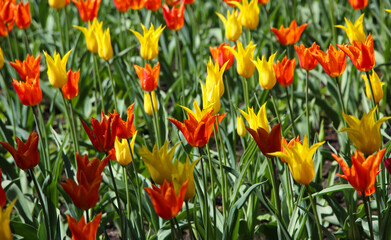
(221, 55)
(333, 62)
(362, 174)
(27, 156)
(166, 202)
(230, 4)
(137, 4)
(27, 68)
(22, 15)
(306, 60)
(172, 3)
(153, 5)
(263, 2)
(284, 143)
(3, 197)
(88, 9)
(90, 169)
(3, 28)
(82, 230)
(122, 5)
(149, 77)
(361, 54)
(7, 11)
(174, 18)
(267, 142)
(290, 35)
(358, 4)
(29, 92)
(71, 88)
(126, 130)
(284, 71)
(189, 1)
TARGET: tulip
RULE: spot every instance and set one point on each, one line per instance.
(105, 50)
(306, 59)
(122, 5)
(3, 28)
(88, 9)
(153, 5)
(233, 25)
(241, 127)
(387, 164)
(267, 75)
(229, 2)
(267, 142)
(361, 54)
(27, 155)
(355, 32)
(299, 158)
(7, 11)
(57, 72)
(149, 41)
(29, 92)
(263, 2)
(333, 62)
(173, 2)
(364, 133)
(122, 152)
(256, 121)
(358, 4)
(90, 170)
(5, 230)
(211, 98)
(376, 86)
(215, 76)
(147, 103)
(362, 174)
(3, 197)
(244, 59)
(388, 10)
(22, 15)
(137, 4)
(189, 1)
(174, 18)
(58, 4)
(71, 88)
(82, 231)
(28, 68)
(149, 77)
(1, 59)
(91, 40)
(183, 172)
(290, 35)
(284, 143)
(222, 55)
(198, 114)
(284, 71)
(166, 202)
(249, 13)
(126, 130)
(159, 162)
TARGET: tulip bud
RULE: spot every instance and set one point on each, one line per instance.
(241, 128)
(233, 26)
(57, 72)
(376, 86)
(267, 76)
(105, 49)
(147, 103)
(122, 151)
(387, 164)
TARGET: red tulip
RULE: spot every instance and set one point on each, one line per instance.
(22, 15)
(174, 18)
(71, 88)
(82, 231)
(29, 92)
(27, 68)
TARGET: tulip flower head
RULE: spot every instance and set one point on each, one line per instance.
(268, 142)
(184, 172)
(222, 55)
(7, 11)
(358, 4)
(233, 25)
(159, 162)
(27, 155)
(364, 133)
(29, 92)
(22, 15)
(137, 4)
(197, 113)
(27, 68)
(122, 5)
(290, 35)
(299, 158)
(244, 59)
(249, 13)
(189, 1)
(361, 54)
(5, 29)
(88, 9)
(258, 120)
(71, 88)
(122, 152)
(5, 230)
(377, 86)
(57, 72)
(91, 39)
(241, 127)
(166, 202)
(333, 62)
(306, 60)
(153, 5)
(387, 164)
(172, 3)
(149, 77)
(84, 195)
(82, 230)
(148, 103)
(354, 31)
(229, 2)
(105, 50)
(388, 10)
(215, 76)
(362, 174)
(89, 170)
(263, 2)
(149, 41)
(175, 19)
(266, 72)
(284, 71)
(58, 4)
(126, 130)
(211, 97)
(284, 143)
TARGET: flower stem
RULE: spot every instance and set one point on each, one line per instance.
(340, 95)
(42, 134)
(59, 30)
(156, 121)
(313, 204)
(307, 115)
(290, 111)
(231, 106)
(205, 212)
(99, 82)
(112, 85)
(10, 105)
(275, 107)
(212, 184)
(125, 175)
(223, 175)
(275, 185)
(117, 195)
(74, 126)
(188, 220)
(369, 215)
(137, 192)
(179, 62)
(245, 92)
(27, 41)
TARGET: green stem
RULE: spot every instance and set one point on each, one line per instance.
(189, 221)
(213, 187)
(41, 142)
(74, 126)
(9, 44)
(10, 105)
(275, 184)
(140, 212)
(233, 112)
(59, 30)
(332, 19)
(99, 82)
(179, 61)
(127, 192)
(307, 113)
(180, 235)
(156, 121)
(87, 216)
(224, 175)
(340, 95)
(112, 86)
(27, 41)
(173, 231)
(313, 204)
(275, 107)
(117, 196)
(369, 215)
(245, 92)
(290, 111)
(206, 212)
(42, 131)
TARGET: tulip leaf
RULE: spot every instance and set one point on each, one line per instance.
(24, 230)
(332, 189)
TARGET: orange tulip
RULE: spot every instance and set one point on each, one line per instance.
(284, 71)
(166, 202)
(267, 142)
(149, 77)
(3, 28)
(362, 174)
(126, 130)
(284, 143)
(88, 9)
(173, 3)
(290, 35)
(153, 5)
(189, 1)
(137, 4)
(82, 231)
(29, 92)
(3, 197)
(333, 62)
(22, 15)
(71, 88)
(230, 4)
(27, 156)
(263, 2)
(306, 60)
(7, 11)
(27, 68)
(174, 18)
(90, 169)
(361, 54)
(358, 4)
(122, 5)
(221, 55)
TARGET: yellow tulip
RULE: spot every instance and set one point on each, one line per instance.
(233, 25)
(299, 158)
(198, 114)
(267, 76)
(105, 50)
(122, 152)
(1, 59)
(57, 4)
(215, 76)
(181, 173)
(249, 13)
(355, 32)
(159, 162)
(241, 128)
(57, 72)
(364, 133)
(149, 41)
(147, 103)
(244, 59)
(376, 86)
(211, 98)
(5, 231)
(388, 10)
(91, 40)
(256, 121)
